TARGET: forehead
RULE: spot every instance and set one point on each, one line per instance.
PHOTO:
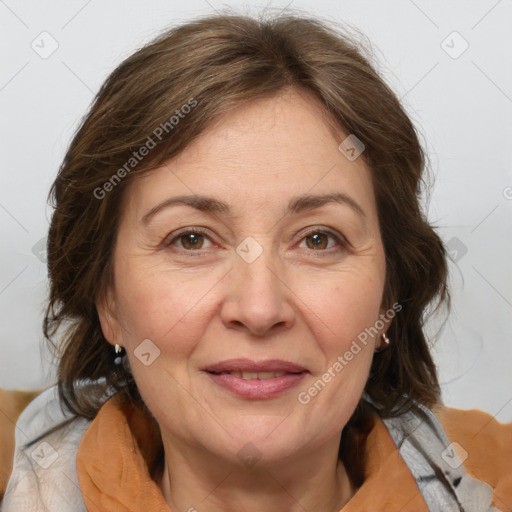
(268, 135)
(259, 156)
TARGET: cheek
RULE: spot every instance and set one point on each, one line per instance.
(341, 314)
(159, 304)
(342, 307)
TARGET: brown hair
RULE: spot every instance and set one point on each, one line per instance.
(218, 63)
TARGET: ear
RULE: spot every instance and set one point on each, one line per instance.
(106, 307)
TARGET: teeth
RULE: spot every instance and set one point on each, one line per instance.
(257, 375)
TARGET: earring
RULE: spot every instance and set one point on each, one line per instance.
(118, 349)
(386, 343)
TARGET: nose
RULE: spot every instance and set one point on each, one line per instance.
(258, 299)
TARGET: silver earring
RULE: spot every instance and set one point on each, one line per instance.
(385, 338)
(118, 349)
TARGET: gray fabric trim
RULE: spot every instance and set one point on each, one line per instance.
(44, 477)
(431, 458)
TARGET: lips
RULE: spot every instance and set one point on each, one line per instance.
(243, 365)
(254, 375)
(256, 380)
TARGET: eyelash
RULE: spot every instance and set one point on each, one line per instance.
(341, 240)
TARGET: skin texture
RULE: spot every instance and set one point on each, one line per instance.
(199, 302)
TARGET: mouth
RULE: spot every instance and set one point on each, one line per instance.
(255, 375)
(256, 380)
(248, 369)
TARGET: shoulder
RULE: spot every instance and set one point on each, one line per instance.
(44, 470)
(484, 445)
(12, 404)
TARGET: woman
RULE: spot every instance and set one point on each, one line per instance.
(239, 275)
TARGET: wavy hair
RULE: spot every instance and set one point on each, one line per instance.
(221, 62)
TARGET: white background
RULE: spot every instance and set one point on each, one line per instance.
(462, 105)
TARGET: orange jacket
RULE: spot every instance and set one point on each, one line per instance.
(115, 450)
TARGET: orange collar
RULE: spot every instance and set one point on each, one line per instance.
(123, 442)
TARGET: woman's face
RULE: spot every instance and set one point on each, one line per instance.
(254, 272)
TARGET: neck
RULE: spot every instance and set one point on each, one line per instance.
(193, 481)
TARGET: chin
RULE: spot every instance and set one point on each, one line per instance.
(265, 437)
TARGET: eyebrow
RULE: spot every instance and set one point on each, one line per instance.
(296, 205)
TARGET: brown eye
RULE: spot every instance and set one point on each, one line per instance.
(318, 241)
(323, 241)
(192, 240)
(189, 241)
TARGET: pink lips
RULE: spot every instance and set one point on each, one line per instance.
(254, 388)
(247, 365)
